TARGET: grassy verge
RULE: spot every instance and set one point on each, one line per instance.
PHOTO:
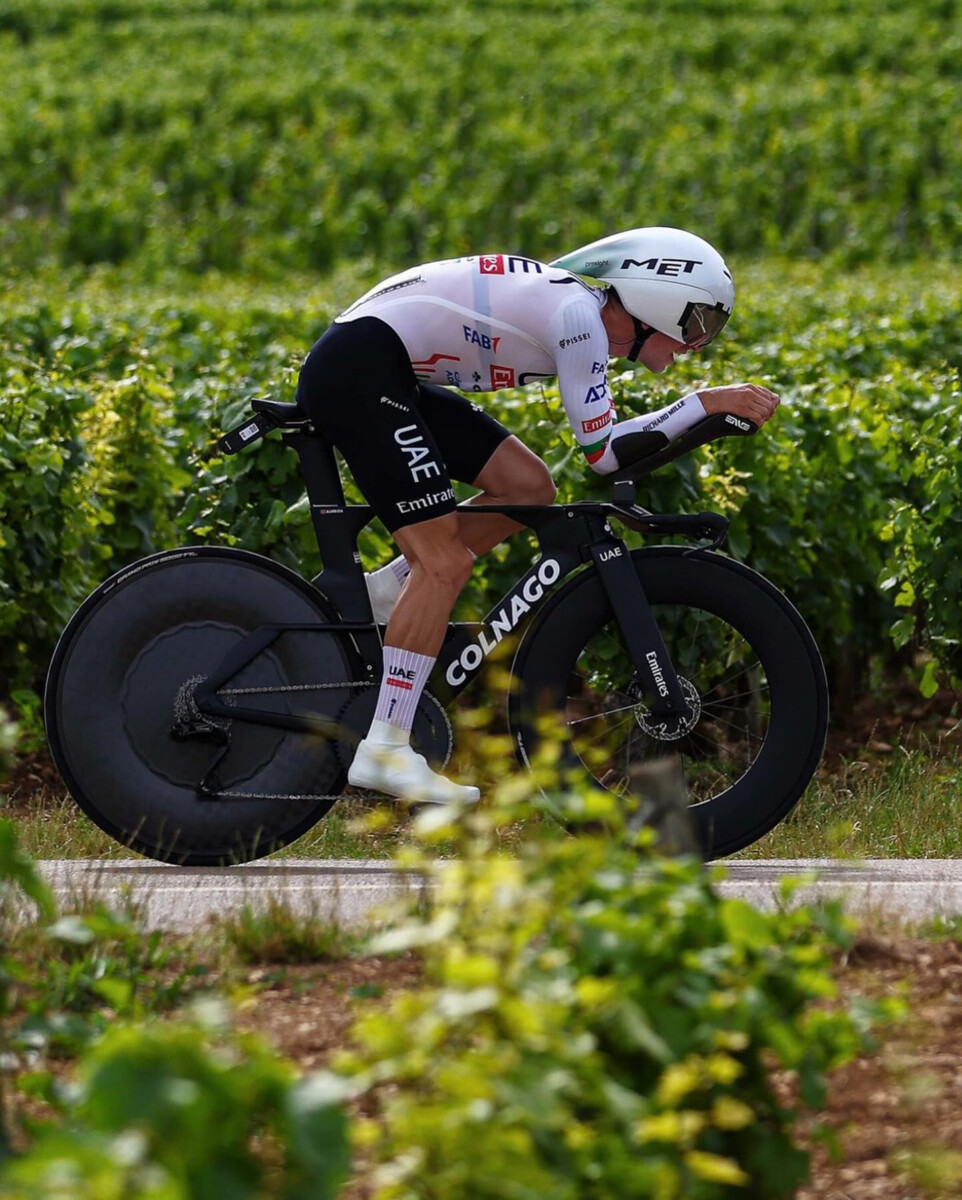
(51, 826)
(902, 803)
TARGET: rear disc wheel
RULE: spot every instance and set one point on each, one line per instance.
(131, 746)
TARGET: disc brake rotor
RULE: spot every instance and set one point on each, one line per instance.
(671, 729)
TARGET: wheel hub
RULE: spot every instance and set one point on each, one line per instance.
(161, 721)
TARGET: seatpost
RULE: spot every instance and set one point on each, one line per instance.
(319, 468)
(336, 526)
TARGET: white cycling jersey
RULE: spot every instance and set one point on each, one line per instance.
(500, 320)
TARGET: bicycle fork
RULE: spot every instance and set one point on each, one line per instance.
(646, 648)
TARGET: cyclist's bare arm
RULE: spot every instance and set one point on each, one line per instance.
(635, 439)
(748, 400)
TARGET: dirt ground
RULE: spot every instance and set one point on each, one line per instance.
(896, 714)
(897, 1112)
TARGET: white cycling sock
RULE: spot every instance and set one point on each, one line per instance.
(388, 580)
(400, 567)
(384, 586)
(405, 674)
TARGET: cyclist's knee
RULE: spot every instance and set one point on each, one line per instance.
(439, 555)
(516, 475)
(447, 568)
(534, 486)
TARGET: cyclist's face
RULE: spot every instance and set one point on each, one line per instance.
(660, 351)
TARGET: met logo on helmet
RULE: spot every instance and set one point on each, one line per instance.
(664, 266)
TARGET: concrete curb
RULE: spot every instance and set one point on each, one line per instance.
(353, 891)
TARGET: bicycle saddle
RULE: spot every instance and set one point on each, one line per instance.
(287, 416)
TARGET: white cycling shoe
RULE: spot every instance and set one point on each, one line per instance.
(400, 771)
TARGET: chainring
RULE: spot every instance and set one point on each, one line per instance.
(431, 735)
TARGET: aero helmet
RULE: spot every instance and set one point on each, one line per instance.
(671, 280)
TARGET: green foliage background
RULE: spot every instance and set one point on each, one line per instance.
(191, 189)
(277, 134)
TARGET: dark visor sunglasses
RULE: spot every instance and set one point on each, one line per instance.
(702, 323)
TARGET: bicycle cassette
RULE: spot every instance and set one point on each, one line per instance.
(430, 736)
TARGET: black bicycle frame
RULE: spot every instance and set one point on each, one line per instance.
(568, 536)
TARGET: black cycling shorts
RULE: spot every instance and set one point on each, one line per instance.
(403, 440)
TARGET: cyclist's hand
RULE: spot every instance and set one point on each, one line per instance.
(749, 400)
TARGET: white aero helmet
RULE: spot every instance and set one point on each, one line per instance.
(669, 279)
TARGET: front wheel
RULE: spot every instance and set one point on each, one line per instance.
(748, 665)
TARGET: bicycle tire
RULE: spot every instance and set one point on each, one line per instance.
(113, 686)
(784, 705)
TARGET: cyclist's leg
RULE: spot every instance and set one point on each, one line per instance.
(440, 567)
(478, 450)
(512, 475)
(358, 386)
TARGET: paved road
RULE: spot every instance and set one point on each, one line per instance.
(181, 898)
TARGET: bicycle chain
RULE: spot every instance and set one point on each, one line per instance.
(292, 687)
(297, 687)
(292, 796)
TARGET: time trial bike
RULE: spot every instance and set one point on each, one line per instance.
(203, 705)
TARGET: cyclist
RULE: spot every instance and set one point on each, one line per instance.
(379, 385)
